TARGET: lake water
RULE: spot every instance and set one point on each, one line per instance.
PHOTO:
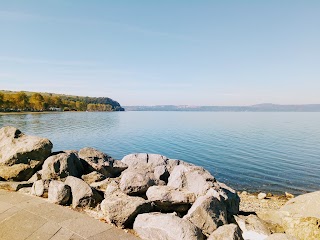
(273, 152)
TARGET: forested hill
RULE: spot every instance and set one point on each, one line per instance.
(39, 101)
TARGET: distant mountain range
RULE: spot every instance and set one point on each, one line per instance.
(265, 107)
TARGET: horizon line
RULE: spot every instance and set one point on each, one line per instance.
(176, 105)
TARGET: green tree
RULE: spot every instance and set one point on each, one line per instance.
(57, 102)
(37, 102)
(81, 106)
(99, 107)
(21, 101)
(72, 105)
(8, 102)
(1, 100)
(47, 102)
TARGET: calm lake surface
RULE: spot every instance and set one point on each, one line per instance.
(273, 152)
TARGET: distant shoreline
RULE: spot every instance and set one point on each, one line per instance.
(18, 113)
(200, 111)
(254, 108)
(46, 112)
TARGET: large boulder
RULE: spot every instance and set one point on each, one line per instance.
(161, 173)
(113, 186)
(172, 163)
(227, 232)
(192, 178)
(59, 193)
(17, 172)
(144, 160)
(121, 209)
(40, 188)
(170, 199)
(62, 165)
(94, 160)
(199, 181)
(230, 197)
(159, 226)
(299, 217)
(208, 212)
(252, 227)
(21, 155)
(272, 219)
(82, 194)
(35, 177)
(136, 181)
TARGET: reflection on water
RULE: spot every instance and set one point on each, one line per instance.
(255, 151)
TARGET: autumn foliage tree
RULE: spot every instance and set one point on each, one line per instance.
(21, 101)
(98, 107)
(37, 102)
(1, 99)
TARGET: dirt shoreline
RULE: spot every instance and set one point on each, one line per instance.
(251, 203)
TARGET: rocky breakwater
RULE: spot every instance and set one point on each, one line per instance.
(159, 198)
(21, 155)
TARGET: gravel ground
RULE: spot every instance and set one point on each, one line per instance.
(251, 203)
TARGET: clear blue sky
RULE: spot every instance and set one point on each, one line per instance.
(164, 52)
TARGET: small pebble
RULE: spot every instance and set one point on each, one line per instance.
(262, 196)
(289, 195)
(269, 195)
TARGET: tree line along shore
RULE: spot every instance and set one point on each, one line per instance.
(38, 102)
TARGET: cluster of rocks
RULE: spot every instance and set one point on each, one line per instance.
(159, 198)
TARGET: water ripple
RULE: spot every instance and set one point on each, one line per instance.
(257, 151)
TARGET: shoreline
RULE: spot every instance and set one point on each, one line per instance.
(21, 113)
(48, 112)
(250, 202)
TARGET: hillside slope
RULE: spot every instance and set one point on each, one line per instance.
(40, 101)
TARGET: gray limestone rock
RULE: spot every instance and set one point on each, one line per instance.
(59, 193)
(230, 197)
(170, 199)
(172, 163)
(227, 232)
(62, 165)
(94, 160)
(299, 217)
(121, 209)
(40, 188)
(253, 228)
(82, 194)
(208, 212)
(192, 178)
(136, 181)
(35, 177)
(20, 154)
(161, 173)
(144, 160)
(159, 226)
